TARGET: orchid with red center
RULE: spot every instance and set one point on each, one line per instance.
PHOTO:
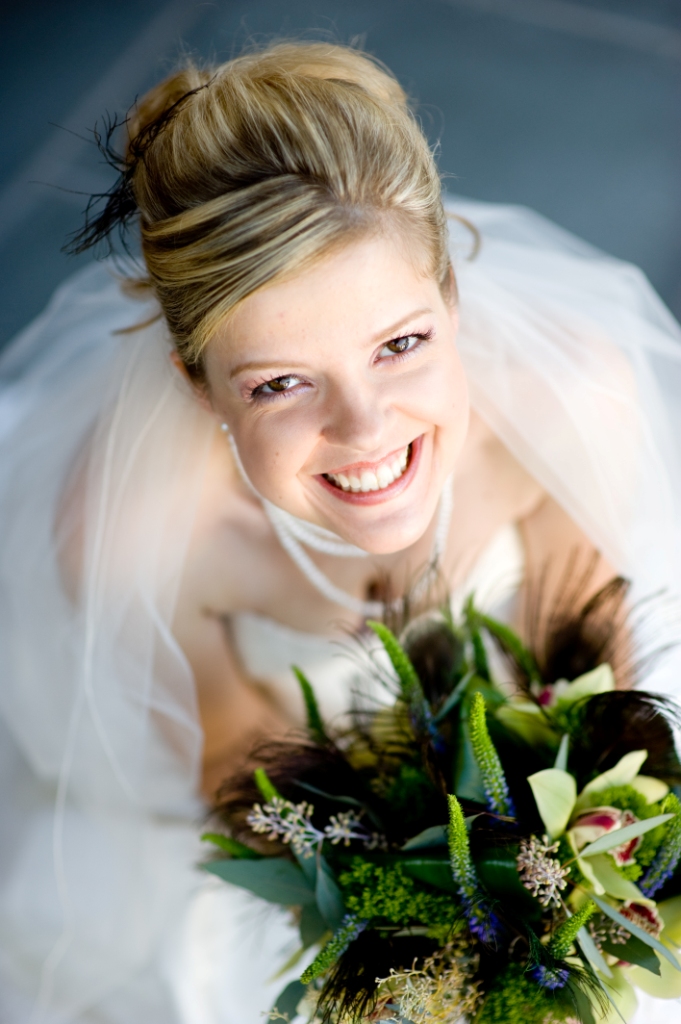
(645, 916)
(599, 821)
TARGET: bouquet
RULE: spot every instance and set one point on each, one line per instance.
(469, 850)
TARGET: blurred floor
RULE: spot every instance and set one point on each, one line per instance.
(568, 106)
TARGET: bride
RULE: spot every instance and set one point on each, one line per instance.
(327, 400)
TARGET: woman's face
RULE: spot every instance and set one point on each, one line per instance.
(344, 393)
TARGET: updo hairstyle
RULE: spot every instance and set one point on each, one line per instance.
(247, 172)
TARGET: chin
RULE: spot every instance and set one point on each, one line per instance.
(389, 539)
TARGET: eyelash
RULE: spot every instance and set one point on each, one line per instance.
(255, 393)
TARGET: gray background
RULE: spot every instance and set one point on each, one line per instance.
(568, 106)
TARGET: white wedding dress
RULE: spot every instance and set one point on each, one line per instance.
(104, 919)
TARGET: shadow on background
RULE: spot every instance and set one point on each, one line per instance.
(567, 106)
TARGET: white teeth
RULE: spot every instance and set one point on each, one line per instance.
(368, 480)
(385, 476)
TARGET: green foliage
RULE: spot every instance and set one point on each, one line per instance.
(274, 879)
(564, 936)
(387, 892)
(459, 850)
(328, 896)
(512, 643)
(493, 779)
(334, 949)
(409, 792)
(231, 846)
(315, 722)
(626, 798)
(286, 1003)
(262, 781)
(516, 998)
(410, 685)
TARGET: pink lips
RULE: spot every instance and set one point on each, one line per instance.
(377, 497)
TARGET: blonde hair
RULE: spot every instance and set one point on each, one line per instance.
(246, 172)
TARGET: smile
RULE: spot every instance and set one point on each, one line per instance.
(362, 480)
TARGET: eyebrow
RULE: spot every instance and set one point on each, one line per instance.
(384, 333)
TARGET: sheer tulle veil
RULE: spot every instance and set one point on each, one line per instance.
(571, 358)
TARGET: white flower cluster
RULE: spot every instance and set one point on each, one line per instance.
(292, 824)
(542, 874)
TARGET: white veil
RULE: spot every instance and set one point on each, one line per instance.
(572, 360)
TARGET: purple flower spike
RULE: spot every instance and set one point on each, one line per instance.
(550, 977)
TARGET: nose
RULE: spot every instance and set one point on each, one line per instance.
(355, 418)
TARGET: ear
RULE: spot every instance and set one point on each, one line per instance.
(199, 389)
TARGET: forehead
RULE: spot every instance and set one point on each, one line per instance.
(363, 288)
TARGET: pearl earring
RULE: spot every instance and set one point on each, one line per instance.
(224, 428)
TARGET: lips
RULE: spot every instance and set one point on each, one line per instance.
(362, 480)
(373, 483)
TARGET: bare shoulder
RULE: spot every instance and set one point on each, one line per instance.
(229, 535)
(228, 526)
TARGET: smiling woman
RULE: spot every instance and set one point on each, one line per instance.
(159, 578)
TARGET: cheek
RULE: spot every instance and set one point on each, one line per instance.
(273, 451)
(439, 395)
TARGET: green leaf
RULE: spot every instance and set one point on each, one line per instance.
(467, 778)
(432, 870)
(410, 683)
(598, 680)
(623, 835)
(436, 835)
(562, 755)
(288, 1000)
(329, 897)
(497, 870)
(454, 697)
(513, 644)
(313, 927)
(592, 953)
(267, 790)
(623, 774)
(231, 846)
(315, 722)
(635, 952)
(555, 792)
(634, 930)
(273, 879)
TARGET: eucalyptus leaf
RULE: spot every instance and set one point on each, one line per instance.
(434, 871)
(592, 953)
(436, 835)
(497, 870)
(312, 925)
(328, 896)
(634, 930)
(273, 879)
(623, 835)
(231, 846)
(635, 952)
(288, 1000)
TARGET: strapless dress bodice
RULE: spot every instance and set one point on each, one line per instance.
(267, 648)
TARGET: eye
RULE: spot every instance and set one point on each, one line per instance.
(399, 346)
(276, 386)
